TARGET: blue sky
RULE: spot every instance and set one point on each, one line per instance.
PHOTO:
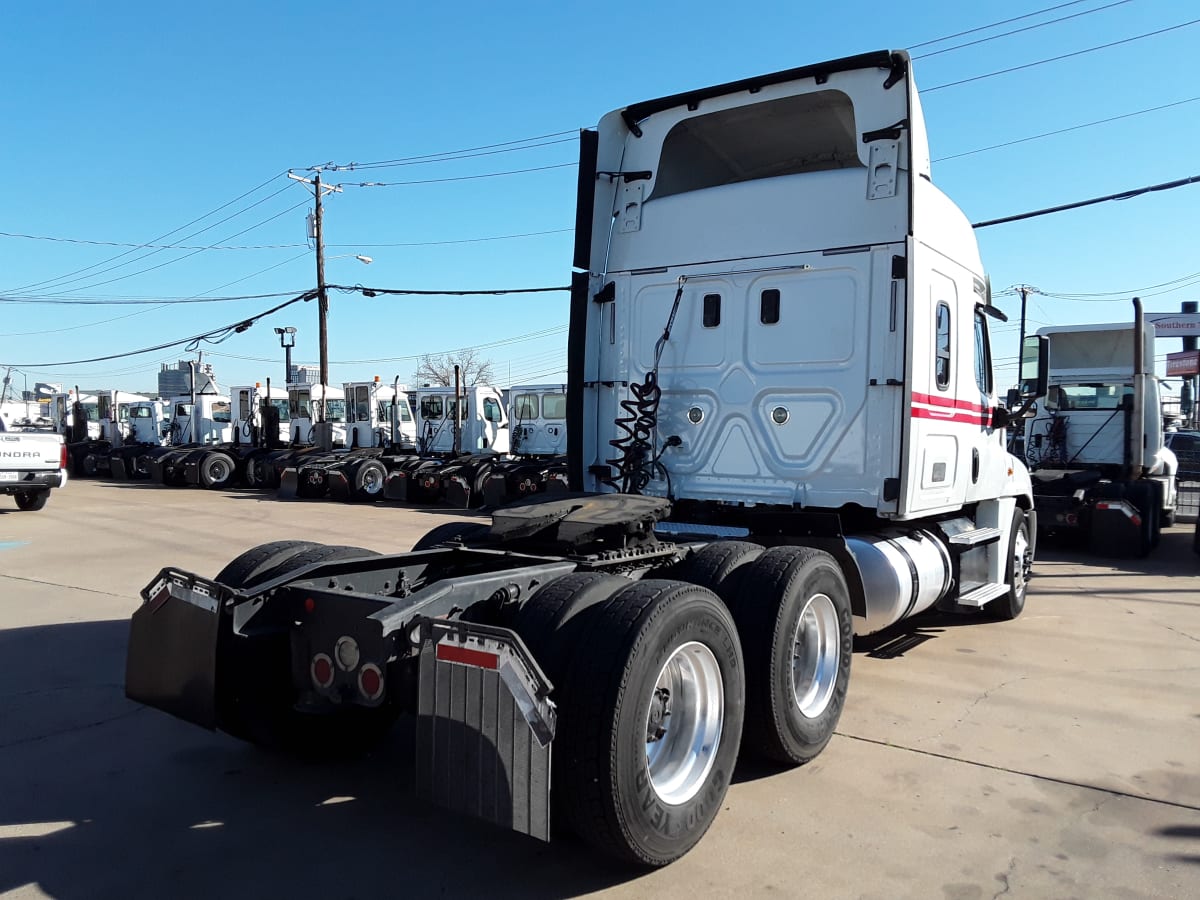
(125, 121)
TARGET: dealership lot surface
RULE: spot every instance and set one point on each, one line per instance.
(1054, 756)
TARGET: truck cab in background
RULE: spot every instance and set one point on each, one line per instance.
(1101, 466)
(304, 408)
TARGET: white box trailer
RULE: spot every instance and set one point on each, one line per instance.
(778, 325)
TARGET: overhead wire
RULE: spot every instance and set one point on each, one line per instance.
(1042, 62)
(979, 28)
(566, 165)
(215, 334)
(1123, 195)
(995, 37)
(160, 237)
(1047, 134)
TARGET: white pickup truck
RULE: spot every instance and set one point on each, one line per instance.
(31, 463)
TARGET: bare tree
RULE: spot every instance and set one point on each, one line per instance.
(439, 369)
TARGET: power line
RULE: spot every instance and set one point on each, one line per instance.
(1124, 195)
(433, 157)
(566, 165)
(169, 262)
(994, 37)
(216, 335)
(454, 157)
(158, 238)
(980, 28)
(406, 292)
(479, 240)
(1042, 62)
(65, 240)
(1046, 134)
(140, 301)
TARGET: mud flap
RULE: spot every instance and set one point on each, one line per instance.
(485, 724)
(171, 663)
(339, 485)
(117, 468)
(288, 484)
(396, 486)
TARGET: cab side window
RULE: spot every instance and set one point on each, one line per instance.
(941, 347)
(983, 355)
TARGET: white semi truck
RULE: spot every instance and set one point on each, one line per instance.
(779, 325)
(1101, 467)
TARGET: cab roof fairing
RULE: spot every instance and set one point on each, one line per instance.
(622, 149)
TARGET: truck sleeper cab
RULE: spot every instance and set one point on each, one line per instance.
(778, 325)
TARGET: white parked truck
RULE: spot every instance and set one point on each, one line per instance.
(32, 463)
(778, 325)
(1101, 467)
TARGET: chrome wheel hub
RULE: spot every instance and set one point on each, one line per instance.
(684, 722)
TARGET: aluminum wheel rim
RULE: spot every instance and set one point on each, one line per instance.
(371, 481)
(816, 654)
(683, 726)
(219, 470)
(1021, 561)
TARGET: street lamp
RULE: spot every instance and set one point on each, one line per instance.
(287, 340)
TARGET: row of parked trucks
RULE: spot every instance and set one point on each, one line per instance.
(364, 440)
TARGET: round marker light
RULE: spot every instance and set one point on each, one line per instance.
(695, 415)
(780, 415)
(346, 652)
(370, 681)
(321, 670)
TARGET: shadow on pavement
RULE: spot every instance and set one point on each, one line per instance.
(100, 797)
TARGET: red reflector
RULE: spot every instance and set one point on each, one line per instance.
(370, 681)
(309, 604)
(468, 657)
(322, 670)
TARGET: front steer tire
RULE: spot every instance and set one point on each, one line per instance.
(642, 800)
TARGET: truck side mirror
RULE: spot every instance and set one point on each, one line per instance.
(1035, 367)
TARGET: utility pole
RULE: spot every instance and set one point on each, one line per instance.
(1024, 291)
(318, 236)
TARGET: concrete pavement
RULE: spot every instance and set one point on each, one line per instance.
(1054, 756)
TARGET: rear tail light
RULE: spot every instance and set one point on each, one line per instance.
(62, 456)
(321, 670)
(370, 681)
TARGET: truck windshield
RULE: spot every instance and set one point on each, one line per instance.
(298, 403)
(282, 406)
(1087, 396)
(335, 410)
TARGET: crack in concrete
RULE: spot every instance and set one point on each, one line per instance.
(87, 726)
(1004, 878)
(1066, 782)
(69, 587)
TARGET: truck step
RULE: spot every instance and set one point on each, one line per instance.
(979, 594)
(975, 537)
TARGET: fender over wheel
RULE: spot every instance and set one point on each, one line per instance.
(451, 533)
(793, 617)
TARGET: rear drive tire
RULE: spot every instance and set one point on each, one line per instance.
(245, 570)
(256, 691)
(452, 533)
(217, 470)
(719, 566)
(793, 617)
(1017, 569)
(555, 620)
(650, 720)
(31, 501)
(368, 479)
